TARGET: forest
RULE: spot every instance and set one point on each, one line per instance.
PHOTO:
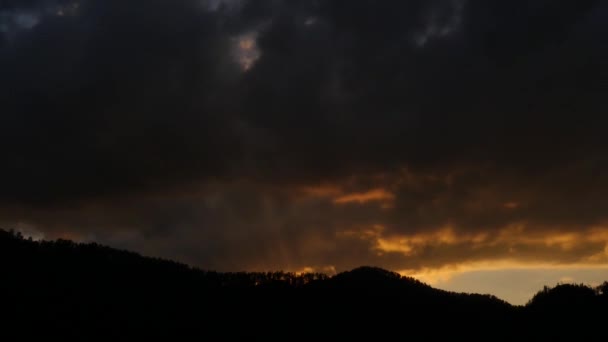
(87, 292)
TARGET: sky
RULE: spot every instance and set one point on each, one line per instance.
(458, 141)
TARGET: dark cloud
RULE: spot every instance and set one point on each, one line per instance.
(197, 129)
(115, 97)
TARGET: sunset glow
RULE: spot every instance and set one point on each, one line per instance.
(460, 142)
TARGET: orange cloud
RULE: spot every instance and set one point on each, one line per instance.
(411, 244)
(374, 195)
(510, 236)
(329, 270)
(435, 255)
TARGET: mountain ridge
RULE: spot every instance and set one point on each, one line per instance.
(107, 292)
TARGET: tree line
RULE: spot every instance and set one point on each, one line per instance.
(86, 291)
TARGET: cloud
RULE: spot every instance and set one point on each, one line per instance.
(374, 195)
(256, 135)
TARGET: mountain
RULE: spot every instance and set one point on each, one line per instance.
(84, 292)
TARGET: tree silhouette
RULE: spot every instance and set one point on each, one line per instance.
(73, 291)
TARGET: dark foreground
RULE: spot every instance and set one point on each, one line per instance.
(87, 292)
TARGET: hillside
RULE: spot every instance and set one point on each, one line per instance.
(91, 292)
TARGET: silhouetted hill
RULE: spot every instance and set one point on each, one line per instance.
(569, 296)
(84, 292)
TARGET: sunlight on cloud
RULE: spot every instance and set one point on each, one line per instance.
(328, 270)
(246, 51)
(374, 195)
(407, 245)
(511, 238)
(340, 196)
(511, 263)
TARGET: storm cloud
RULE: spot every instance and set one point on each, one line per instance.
(323, 134)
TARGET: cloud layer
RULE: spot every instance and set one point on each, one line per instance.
(291, 134)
